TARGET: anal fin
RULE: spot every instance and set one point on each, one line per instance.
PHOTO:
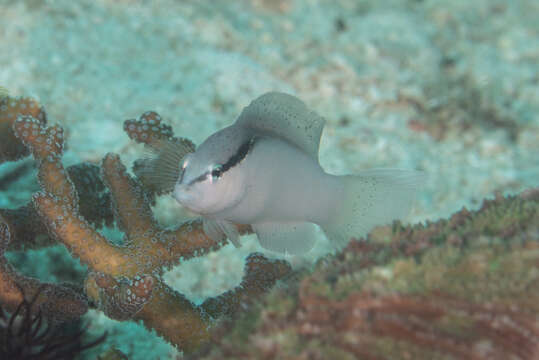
(294, 238)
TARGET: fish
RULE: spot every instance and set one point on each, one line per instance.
(264, 171)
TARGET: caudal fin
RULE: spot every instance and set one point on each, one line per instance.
(373, 197)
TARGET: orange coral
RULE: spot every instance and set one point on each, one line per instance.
(22, 225)
(25, 226)
(125, 280)
(10, 108)
(57, 302)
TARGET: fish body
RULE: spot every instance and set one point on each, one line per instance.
(263, 171)
(286, 192)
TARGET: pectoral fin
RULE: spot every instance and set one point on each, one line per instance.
(294, 238)
(219, 229)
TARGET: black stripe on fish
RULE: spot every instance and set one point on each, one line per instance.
(241, 154)
(234, 160)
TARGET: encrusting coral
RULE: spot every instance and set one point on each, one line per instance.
(124, 281)
(462, 288)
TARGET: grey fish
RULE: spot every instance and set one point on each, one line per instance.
(264, 171)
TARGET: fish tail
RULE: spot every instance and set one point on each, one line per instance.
(373, 197)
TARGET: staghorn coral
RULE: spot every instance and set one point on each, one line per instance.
(123, 280)
(60, 303)
(28, 232)
(462, 288)
(10, 107)
(26, 229)
(21, 227)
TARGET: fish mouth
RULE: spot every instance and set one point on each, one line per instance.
(182, 195)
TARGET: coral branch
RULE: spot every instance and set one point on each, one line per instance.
(81, 239)
(124, 281)
(29, 232)
(11, 148)
(56, 302)
(123, 298)
(148, 129)
(260, 276)
(47, 146)
(175, 318)
(131, 208)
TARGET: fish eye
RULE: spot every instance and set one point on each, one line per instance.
(217, 171)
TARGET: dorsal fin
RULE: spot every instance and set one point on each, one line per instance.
(286, 117)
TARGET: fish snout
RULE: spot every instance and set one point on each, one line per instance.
(182, 194)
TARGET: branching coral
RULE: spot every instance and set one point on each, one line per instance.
(123, 280)
(57, 302)
(27, 230)
(10, 108)
(462, 288)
